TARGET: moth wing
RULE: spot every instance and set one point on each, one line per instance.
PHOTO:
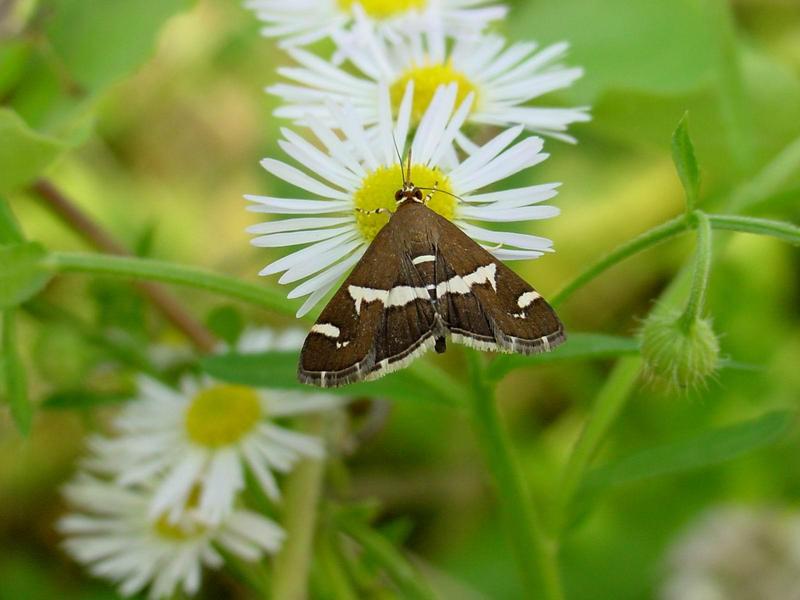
(484, 304)
(377, 321)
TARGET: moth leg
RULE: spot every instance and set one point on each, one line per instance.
(430, 194)
(374, 211)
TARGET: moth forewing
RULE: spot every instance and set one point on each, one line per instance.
(420, 280)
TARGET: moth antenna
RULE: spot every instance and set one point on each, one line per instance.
(408, 178)
(459, 198)
(400, 159)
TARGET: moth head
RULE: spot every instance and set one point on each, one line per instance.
(408, 192)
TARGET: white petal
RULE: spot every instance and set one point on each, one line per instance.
(318, 262)
(298, 257)
(326, 277)
(523, 155)
(486, 153)
(518, 240)
(295, 238)
(296, 177)
(291, 206)
(493, 214)
(282, 225)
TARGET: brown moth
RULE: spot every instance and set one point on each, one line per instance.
(420, 281)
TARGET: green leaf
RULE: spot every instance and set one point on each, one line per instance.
(14, 376)
(652, 46)
(782, 230)
(91, 44)
(226, 322)
(685, 162)
(709, 448)
(21, 274)
(24, 153)
(278, 370)
(10, 233)
(82, 399)
(578, 346)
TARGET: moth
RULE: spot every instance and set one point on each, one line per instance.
(421, 281)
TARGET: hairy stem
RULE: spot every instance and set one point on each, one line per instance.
(702, 270)
(536, 554)
(58, 203)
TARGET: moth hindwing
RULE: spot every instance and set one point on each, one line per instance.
(421, 280)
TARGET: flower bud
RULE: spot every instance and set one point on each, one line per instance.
(679, 355)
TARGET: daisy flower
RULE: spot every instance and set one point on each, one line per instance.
(303, 22)
(362, 173)
(112, 534)
(736, 553)
(504, 79)
(206, 436)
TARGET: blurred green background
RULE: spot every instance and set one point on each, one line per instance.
(150, 114)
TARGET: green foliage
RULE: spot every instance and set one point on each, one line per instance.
(22, 275)
(227, 323)
(24, 153)
(704, 450)
(578, 346)
(83, 399)
(15, 379)
(278, 370)
(61, 81)
(686, 163)
(10, 232)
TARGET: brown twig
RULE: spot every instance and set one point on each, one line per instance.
(79, 221)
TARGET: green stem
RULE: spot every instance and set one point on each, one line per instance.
(768, 182)
(536, 554)
(293, 562)
(650, 238)
(13, 373)
(384, 553)
(732, 94)
(702, 270)
(782, 230)
(336, 578)
(607, 407)
(158, 270)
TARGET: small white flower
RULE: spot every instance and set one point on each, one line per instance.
(302, 22)
(736, 553)
(363, 173)
(207, 436)
(112, 533)
(504, 78)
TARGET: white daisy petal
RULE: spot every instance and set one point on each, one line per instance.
(318, 262)
(294, 238)
(503, 77)
(495, 215)
(331, 274)
(301, 256)
(519, 240)
(297, 224)
(288, 206)
(134, 552)
(301, 180)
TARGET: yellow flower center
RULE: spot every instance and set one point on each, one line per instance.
(180, 531)
(379, 187)
(427, 80)
(383, 9)
(222, 415)
(186, 528)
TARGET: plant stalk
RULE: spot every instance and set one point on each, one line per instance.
(536, 554)
(58, 203)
